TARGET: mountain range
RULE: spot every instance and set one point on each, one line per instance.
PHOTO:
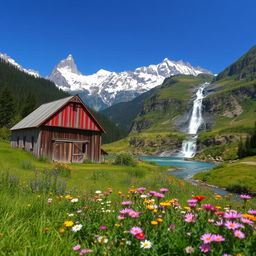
(104, 88)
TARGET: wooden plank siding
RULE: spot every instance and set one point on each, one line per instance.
(62, 150)
(27, 139)
(73, 115)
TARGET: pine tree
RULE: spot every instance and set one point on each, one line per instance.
(7, 107)
(30, 104)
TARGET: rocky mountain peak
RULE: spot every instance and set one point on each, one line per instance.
(68, 64)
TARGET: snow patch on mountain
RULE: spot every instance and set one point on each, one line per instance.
(8, 59)
(113, 87)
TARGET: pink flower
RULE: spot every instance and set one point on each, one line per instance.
(159, 195)
(210, 207)
(134, 214)
(239, 234)
(251, 211)
(189, 217)
(246, 197)
(205, 248)
(225, 254)
(218, 238)
(232, 225)
(141, 189)
(84, 251)
(136, 230)
(244, 220)
(192, 205)
(192, 201)
(163, 190)
(126, 211)
(207, 238)
(120, 217)
(232, 215)
(77, 247)
(49, 201)
(127, 203)
(140, 236)
(219, 223)
(172, 226)
(103, 227)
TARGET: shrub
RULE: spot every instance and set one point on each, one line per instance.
(5, 134)
(125, 159)
(87, 161)
(27, 165)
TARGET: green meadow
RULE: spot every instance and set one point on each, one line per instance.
(78, 209)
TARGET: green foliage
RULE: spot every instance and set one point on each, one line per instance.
(124, 159)
(7, 107)
(30, 104)
(100, 175)
(27, 165)
(87, 161)
(62, 169)
(5, 134)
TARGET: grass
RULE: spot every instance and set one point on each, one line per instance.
(229, 175)
(34, 208)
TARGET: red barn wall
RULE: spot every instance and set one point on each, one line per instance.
(73, 115)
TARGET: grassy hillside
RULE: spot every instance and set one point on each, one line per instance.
(238, 177)
(168, 103)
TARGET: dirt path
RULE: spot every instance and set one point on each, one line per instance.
(249, 163)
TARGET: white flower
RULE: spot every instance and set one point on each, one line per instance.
(108, 202)
(189, 249)
(102, 240)
(128, 242)
(100, 199)
(145, 244)
(98, 192)
(74, 200)
(77, 227)
(143, 196)
(70, 214)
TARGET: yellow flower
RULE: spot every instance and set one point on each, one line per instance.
(249, 217)
(28, 205)
(239, 254)
(117, 225)
(1, 234)
(187, 208)
(68, 223)
(218, 197)
(218, 207)
(121, 243)
(159, 219)
(150, 207)
(155, 211)
(165, 204)
(153, 222)
(61, 230)
(68, 197)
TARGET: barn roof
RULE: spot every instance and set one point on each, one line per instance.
(42, 113)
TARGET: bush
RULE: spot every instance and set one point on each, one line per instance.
(125, 159)
(87, 161)
(5, 134)
(238, 188)
(27, 165)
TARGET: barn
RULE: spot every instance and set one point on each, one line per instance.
(63, 131)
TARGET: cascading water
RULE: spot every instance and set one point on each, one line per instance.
(196, 120)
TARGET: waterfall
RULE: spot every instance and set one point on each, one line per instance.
(189, 145)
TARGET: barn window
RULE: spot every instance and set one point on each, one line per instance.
(32, 143)
(24, 141)
(84, 148)
(18, 141)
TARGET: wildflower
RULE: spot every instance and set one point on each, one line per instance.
(77, 247)
(232, 214)
(136, 230)
(207, 238)
(239, 234)
(153, 222)
(134, 214)
(103, 227)
(205, 248)
(225, 254)
(251, 211)
(189, 249)
(46, 229)
(143, 196)
(49, 201)
(159, 195)
(245, 197)
(189, 217)
(232, 225)
(84, 251)
(1, 234)
(171, 227)
(77, 227)
(159, 219)
(218, 238)
(145, 244)
(199, 198)
(61, 230)
(140, 236)
(98, 192)
(117, 225)
(192, 201)
(126, 211)
(127, 203)
(128, 242)
(218, 197)
(141, 189)
(74, 200)
(70, 214)
(68, 223)
(102, 239)
(163, 190)
(244, 220)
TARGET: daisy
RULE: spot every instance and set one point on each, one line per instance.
(136, 230)
(189, 249)
(207, 238)
(77, 227)
(232, 225)
(239, 234)
(145, 244)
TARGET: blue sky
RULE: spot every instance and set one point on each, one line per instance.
(121, 35)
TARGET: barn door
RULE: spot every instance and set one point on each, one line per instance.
(62, 152)
(79, 152)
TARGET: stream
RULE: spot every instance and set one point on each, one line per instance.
(185, 169)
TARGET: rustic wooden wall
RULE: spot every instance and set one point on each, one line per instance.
(48, 134)
(18, 136)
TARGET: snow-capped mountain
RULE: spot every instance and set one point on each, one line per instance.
(104, 88)
(8, 59)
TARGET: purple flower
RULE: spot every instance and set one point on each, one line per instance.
(126, 211)
(232, 215)
(136, 230)
(232, 225)
(159, 195)
(246, 197)
(103, 227)
(251, 211)
(192, 201)
(207, 238)
(190, 217)
(225, 254)
(141, 189)
(127, 203)
(84, 251)
(205, 248)
(244, 220)
(163, 190)
(172, 226)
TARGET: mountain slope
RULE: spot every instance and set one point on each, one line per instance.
(105, 88)
(124, 113)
